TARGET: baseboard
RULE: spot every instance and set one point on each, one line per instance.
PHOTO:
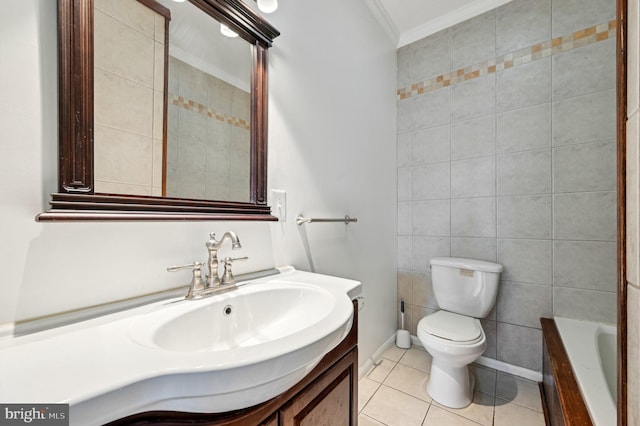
(373, 360)
(6, 330)
(525, 373)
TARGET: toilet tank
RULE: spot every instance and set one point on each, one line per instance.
(465, 286)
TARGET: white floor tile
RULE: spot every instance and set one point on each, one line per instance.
(418, 359)
(394, 353)
(485, 379)
(366, 389)
(409, 380)
(395, 408)
(519, 390)
(440, 417)
(380, 372)
(509, 414)
(480, 410)
(394, 393)
(368, 421)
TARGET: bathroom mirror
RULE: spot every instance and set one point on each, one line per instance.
(93, 151)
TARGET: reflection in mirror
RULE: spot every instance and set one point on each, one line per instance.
(129, 97)
(172, 116)
(208, 144)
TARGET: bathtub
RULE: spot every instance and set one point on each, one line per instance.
(591, 348)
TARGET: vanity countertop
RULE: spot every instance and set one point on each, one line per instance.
(97, 368)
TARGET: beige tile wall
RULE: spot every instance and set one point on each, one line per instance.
(208, 140)
(583, 37)
(506, 153)
(129, 93)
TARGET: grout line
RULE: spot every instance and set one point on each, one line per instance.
(128, 25)
(128, 78)
(581, 94)
(370, 397)
(450, 124)
(553, 224)
(404, 393)
(551, 129)
(424, 419)
(373, 418)
(495, 153)
(518, 404)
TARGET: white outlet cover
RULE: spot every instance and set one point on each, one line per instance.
(279, 204)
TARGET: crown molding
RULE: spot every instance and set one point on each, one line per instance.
(380, 14)
(449, 19)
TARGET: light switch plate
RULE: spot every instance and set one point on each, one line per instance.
(279, 204)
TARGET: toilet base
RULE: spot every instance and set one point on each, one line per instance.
(450, 386)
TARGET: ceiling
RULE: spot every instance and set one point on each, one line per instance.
(406, 21)
(194, 40)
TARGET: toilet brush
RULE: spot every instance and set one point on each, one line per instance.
(403, 340)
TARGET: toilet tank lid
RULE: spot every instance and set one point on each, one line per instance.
(472, 264)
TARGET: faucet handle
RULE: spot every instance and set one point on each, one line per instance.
(227, 276)
(194, 266)
(196, 288)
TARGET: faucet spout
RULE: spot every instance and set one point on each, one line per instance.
(216, 244)
(213, 245)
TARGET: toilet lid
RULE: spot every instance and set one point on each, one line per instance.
(450, 326)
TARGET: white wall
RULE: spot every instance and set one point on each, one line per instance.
(332, 147)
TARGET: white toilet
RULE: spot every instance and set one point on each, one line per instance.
(465, 290)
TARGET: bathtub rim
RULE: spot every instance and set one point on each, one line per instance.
(579, 339)
(562, 404)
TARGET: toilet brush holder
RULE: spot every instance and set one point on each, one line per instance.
(403, 339)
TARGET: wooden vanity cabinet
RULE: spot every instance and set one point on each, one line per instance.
(271, 421)
(326, 396)
(328, 400)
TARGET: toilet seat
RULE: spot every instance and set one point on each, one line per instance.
(452, 327)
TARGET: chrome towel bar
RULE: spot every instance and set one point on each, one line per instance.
(300, 220)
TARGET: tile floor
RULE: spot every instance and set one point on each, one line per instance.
(393, 393)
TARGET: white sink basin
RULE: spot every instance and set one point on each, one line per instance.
(277, 313)
(246, 346)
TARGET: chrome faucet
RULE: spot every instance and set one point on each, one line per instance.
(211, 284)
(212, 279)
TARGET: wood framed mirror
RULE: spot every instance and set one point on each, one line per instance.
(81, 194)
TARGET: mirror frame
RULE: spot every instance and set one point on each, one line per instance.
(75, 199)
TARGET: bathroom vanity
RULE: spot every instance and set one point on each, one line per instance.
(330, 391)
(274, 350)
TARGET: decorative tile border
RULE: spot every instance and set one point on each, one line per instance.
(522, 56)
(190, 105)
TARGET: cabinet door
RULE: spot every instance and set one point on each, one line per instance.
(331, 400)
(271, 421)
